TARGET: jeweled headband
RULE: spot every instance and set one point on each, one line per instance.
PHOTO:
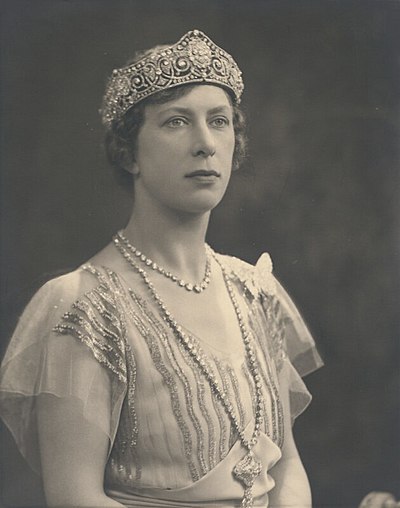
(193, 59)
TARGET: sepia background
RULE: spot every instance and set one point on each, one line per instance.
(320, 191)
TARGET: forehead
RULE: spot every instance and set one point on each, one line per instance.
(200, 98)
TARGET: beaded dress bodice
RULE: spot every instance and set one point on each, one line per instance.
(166, 395)
(88, 336)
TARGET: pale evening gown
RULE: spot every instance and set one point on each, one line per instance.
(90, 337)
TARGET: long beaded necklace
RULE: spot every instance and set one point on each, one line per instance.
(249, 467)
(197, 288)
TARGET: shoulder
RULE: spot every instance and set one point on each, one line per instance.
(97, 272)
(59, 293)
(70, 284)
(289, 333)
(87, 309)
(77, 303)
(87, 277)
(84, 294)
(258, 279)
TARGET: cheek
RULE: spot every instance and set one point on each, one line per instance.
(152, 154)
(229, 147)
(231, 139)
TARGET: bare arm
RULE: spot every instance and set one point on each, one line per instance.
(292, 488)
(73, 454)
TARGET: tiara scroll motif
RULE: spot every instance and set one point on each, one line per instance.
(193, 59)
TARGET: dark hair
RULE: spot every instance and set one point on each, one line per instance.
(121, 138)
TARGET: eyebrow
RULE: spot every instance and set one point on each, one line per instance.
(179, 109)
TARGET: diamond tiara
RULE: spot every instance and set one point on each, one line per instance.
(193, 59)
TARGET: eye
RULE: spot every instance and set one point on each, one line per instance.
(176, 122)
(220, 121)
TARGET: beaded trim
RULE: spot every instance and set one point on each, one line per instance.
(180, 373)
(249, 467)
(102, 332)
(193, 59)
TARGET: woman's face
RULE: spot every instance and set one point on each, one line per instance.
(184, 151)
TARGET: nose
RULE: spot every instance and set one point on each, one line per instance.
(203, 141)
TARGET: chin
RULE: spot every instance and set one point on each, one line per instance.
(207, 201)
(201, 206)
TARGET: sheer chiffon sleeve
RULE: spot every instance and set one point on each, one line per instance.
(293, 346)
(69, 344)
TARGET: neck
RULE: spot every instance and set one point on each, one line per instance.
(173, 240)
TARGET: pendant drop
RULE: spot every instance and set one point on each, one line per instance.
(246, 471)
(247, 501)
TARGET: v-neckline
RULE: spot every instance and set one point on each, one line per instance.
(219, 354)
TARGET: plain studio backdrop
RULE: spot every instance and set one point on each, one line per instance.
(320, 190)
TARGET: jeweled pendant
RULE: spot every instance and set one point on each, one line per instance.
(246, 471)
(247, 501)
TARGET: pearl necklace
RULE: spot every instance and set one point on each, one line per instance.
(197, 288)
(249, 467)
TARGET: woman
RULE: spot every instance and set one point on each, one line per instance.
(161, 373)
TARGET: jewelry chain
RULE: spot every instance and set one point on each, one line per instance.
(248, 469)
(197, 288)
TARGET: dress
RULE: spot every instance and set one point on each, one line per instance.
(90, 336)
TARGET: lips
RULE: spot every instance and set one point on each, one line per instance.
(202, 172)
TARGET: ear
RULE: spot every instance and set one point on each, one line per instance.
(129, 163)
(134, 168)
